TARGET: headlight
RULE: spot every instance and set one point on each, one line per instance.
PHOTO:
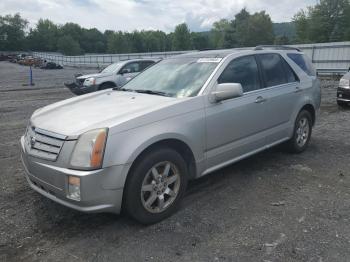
(89, 150)
(90, 81)
(344, 83)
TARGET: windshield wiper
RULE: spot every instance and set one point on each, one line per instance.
(152, 92)
(123, 89)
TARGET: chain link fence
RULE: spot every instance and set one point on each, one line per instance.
(329, 58)
(101, 60)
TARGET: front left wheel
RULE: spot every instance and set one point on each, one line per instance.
(156, 186)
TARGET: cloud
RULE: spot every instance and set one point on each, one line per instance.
(128, 15)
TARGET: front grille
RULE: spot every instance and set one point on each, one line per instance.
(43, 144)
(80, 82)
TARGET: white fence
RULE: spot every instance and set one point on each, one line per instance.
(100, 60)
(327, 57)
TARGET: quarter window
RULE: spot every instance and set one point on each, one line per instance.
(273, 69)
(291, 76)
(243, 70)
(304, 63)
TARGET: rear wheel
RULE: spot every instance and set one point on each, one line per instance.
(302, 133)
(156, 186)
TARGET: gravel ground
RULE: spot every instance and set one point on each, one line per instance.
(271, 207)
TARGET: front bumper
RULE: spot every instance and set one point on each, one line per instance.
(81, 89)
(101, 190)
(343, 95)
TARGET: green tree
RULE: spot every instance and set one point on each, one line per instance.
(327, 21)
(241, 27)
(200, 40)
(44, 36)
(12, 28)
(282, 40)
(222, 34)
(68, 46)
(260, 30)
(182, 38)
(117, 43)
(93, 41)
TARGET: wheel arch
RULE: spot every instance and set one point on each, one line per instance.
(311, 109)
(174, 143)
(106, 83)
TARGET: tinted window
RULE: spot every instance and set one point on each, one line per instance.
(304, 63)
(132, 67)
(291, 76)
(146, 64)
(242, 70)
(272, 67)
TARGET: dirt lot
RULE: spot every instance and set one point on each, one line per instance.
(271, 207)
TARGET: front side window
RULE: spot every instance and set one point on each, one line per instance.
(176, 77)
(145, 64)
(272, 69)
(243, 70)
(304, 63)
(132, 68)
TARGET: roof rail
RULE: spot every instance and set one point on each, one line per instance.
(276, 47)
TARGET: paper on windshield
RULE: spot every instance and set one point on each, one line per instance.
(209, 60)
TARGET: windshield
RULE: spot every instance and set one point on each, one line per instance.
(111, 68)
(176, 77)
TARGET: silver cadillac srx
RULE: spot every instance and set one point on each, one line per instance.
(135, 147)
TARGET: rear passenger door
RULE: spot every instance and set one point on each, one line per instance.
(281, 93)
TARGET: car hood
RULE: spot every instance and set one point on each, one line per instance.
(74, 116)
(97, 75)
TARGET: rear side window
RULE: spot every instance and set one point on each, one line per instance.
(273, 69)
(291, 75)
(304, 63)
(243, 70)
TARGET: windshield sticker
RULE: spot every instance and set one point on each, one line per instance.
(209, 60)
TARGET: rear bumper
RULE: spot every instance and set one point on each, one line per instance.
(343, 95)
(99, 192)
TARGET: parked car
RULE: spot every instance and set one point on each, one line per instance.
(114, 75)
(343, 92)
(136, 147)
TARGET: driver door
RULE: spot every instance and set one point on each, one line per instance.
(128, 72)
(235, 126)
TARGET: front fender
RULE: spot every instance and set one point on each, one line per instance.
(124, 147)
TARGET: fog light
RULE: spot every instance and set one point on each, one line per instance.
(74, 188)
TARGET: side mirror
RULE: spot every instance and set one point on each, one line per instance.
(227, 91)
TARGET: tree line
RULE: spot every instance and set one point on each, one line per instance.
(328, 20)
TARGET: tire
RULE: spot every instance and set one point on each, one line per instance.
(301, 134)
(106, 86)
(342, 104)
(161, 195)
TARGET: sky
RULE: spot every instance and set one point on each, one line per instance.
(129, 15)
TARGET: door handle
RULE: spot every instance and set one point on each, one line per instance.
(298, 90)
(260, 100)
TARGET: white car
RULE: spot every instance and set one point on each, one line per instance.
(114, 75)
(343, 92)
